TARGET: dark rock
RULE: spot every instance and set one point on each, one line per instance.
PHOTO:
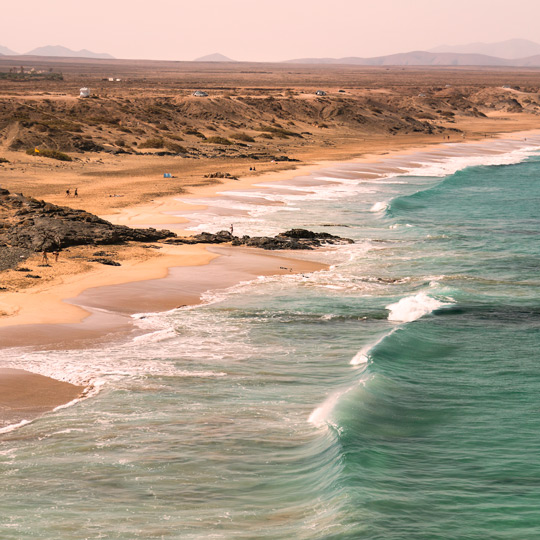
(108, 262)
(293, 239)
(221, 175)
(40, 226)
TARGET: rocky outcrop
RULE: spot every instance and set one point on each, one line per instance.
(28, 225)
(35, 225)
(293, 239)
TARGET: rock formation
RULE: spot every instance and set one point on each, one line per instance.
(35, 225)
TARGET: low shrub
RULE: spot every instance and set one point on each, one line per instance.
(176, 148)
(155, 142)
(4, 160)
(193, 131)
(242, 137)
(218, 140)
(280, 132)
(53, 154)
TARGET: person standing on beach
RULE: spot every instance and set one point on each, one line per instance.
(45, 258)
(76, 193)
(232, 228)
(67, 192)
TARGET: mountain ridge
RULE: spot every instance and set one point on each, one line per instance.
(214, 57)
(510, 49)
(60, 50)
(426, 58)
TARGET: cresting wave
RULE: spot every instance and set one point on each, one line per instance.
(407, 309)
(412, 308)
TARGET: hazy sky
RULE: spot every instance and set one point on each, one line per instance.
(262, 30)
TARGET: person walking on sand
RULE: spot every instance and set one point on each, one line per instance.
(76, 193)
(56, 254)
(67, 192)
(232, 228)
(45, 258)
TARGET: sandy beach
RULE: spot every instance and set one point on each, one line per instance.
(76, 301)
(73, 310)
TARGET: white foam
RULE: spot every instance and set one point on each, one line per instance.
(320, 416)
(411, 308)
(13, 427)
(363, 356)
(379, 206)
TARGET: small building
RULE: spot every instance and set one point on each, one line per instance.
(320, 93)
(84, 92)
(200, 93)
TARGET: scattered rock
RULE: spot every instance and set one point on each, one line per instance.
(103, 260)
(293, 239)
(221, 175)
(101, 254)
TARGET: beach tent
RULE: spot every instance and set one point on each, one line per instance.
(200, 93)
(320, 93)
(84, 92)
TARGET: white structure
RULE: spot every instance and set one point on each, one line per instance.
(85, 92)
(200, 93)
(320, 93)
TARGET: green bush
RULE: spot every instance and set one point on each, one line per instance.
(53, 154)
(4, 160)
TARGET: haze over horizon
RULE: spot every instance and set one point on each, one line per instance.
(274, 30)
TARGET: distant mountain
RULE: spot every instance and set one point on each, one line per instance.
(7, 52)
(510, 49)
(216, 57)
(424, 58)
(414, 58)
(58, 50)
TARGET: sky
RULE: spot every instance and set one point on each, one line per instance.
(262, 30)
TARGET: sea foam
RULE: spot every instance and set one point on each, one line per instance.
(412, 308)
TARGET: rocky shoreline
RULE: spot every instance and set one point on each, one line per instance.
(28, 225)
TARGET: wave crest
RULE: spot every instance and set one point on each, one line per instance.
(411, 308)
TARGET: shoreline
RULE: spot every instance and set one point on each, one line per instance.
(91, 285)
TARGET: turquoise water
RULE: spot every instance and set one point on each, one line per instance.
(392, 396)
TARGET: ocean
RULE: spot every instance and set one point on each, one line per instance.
(394, 395)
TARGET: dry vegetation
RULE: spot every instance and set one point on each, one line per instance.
(123, 138)
(254, 111)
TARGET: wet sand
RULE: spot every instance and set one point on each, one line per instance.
(25, 396)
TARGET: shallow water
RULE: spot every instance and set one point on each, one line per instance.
(392, 396)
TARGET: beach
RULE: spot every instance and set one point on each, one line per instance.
(275, 394)
(79, 304)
